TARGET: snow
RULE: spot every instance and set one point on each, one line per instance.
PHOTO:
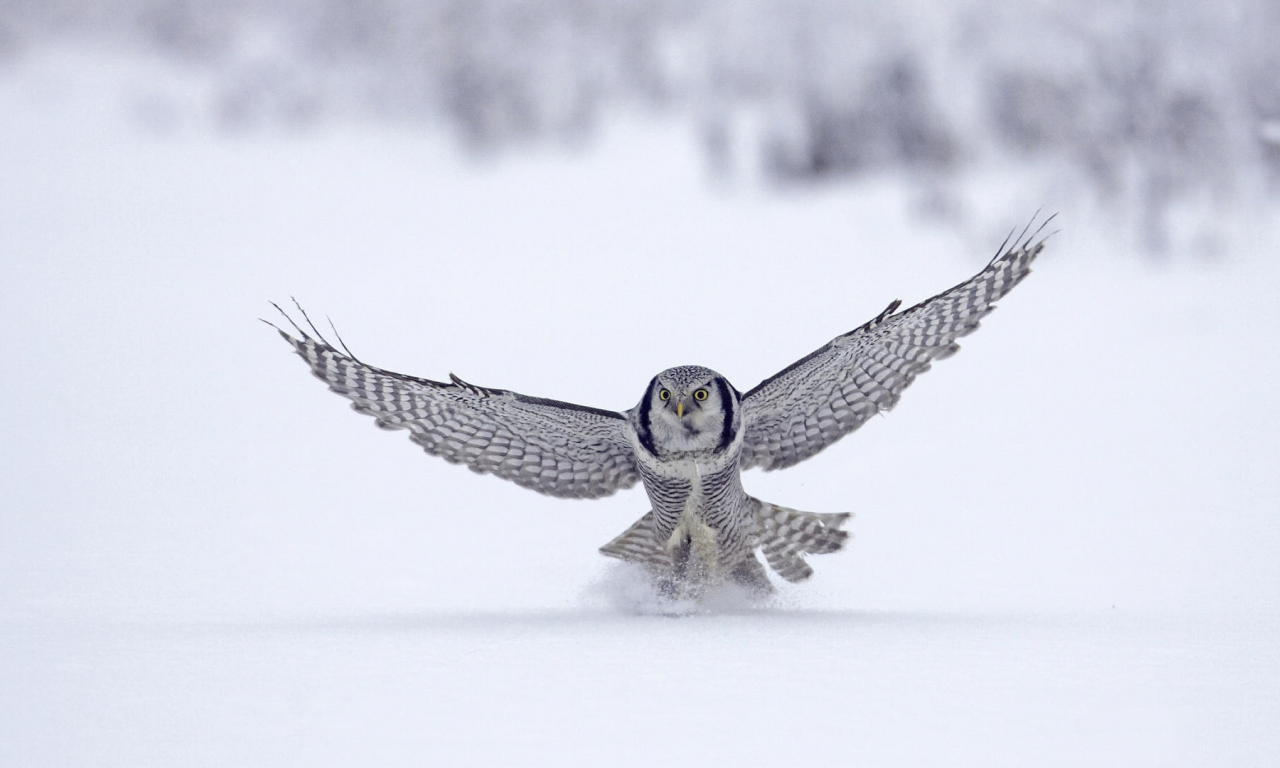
(1067, 547)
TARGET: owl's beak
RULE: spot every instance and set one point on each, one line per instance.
(680, 408)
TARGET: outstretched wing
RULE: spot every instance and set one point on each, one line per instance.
(823, 397)
(554, 448)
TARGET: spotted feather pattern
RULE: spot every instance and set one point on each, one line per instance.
(555, 448)
(836, 389)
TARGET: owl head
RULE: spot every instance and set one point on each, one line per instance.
(688, 409)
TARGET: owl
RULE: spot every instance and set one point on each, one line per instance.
(690, 437)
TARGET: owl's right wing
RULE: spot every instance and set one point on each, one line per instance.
(823, 397)
(555, 448)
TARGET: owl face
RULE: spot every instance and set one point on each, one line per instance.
(689, 409)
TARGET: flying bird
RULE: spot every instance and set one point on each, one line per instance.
(689, 438)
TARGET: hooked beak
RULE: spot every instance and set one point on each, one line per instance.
(680, 408)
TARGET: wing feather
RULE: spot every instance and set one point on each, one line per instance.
(827, 394)
(552, 447)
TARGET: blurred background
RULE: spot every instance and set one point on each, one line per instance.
(1164, 116)
(1067, 537)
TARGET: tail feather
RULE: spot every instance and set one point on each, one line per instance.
(640, 544)
(786, 535)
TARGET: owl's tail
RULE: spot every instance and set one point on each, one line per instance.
(786, 535)
(783, 534)
(640, 544)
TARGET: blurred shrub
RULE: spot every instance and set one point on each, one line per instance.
(1148, 102)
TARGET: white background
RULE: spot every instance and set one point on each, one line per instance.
(1067, 537)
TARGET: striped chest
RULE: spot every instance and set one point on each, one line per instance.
(709, 492)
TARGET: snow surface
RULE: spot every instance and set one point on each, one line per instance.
(1067, 541)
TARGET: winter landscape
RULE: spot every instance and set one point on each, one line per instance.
(1067, 537)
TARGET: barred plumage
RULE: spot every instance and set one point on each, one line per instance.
(786, 535)
(554, 448)
(831, 392)
(690, 436)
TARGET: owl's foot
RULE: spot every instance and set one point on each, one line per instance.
(750, 574)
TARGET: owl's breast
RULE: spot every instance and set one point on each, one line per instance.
(693, 490)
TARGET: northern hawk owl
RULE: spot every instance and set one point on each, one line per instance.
(690, 436)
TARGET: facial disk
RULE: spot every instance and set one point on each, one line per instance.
(690, 408)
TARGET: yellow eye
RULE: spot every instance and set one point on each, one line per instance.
(700, 395)
(664, 394)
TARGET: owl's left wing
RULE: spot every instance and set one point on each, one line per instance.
(552, 447)
(833, 391)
